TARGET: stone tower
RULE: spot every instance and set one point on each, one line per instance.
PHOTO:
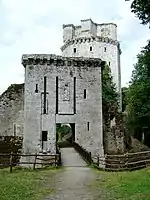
(62, 90)
(95, 41)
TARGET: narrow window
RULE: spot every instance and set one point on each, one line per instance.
(105, 49)
(90, 48)
(109, 63)
(88, 126)
(74, 50)
(44, 138)
(44, 109)
(74, 95)
(56, 94)
(36, 88)
(84, 93)
(44, 135)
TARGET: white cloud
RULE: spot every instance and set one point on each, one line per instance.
(35, 26)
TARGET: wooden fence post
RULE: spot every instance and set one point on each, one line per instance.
(34, 162)
(106, 161)
(98, 161)
(90, 157)
(59, 163)
(55, 160)
(11, 161)
(126, 160)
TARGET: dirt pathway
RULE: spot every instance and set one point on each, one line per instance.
(72, 182)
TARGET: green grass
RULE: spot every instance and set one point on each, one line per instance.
(133, 185)
(25, 184)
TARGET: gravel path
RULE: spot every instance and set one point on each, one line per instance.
(72, 182)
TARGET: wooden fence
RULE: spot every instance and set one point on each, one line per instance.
(128, 161)
(83, 152)
(9, 160)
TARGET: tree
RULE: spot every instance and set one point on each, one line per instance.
(124, 98)
(138, 96)
(62, 130)
(109, 94)
(141, 8)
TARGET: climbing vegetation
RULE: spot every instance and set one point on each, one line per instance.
(138, 97)
(109, 94)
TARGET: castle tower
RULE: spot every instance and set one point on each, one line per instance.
(62, 90)
(95, 41)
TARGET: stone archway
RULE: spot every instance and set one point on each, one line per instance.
(65, 134)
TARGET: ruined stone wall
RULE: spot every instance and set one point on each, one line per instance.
(115, 138)
(11, 111)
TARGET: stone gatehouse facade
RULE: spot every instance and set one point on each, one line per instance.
(62, 90)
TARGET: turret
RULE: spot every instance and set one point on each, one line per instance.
(107, 30)
(68, 32)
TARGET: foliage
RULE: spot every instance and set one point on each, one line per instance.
(124, 185)
(138, 96)
(109, 94)
(141, 8)
(62, 130)
(24, 184)
(124, 98)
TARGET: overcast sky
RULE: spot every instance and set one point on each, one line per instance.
(35, 26)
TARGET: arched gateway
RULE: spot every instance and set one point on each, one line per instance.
(62, 90)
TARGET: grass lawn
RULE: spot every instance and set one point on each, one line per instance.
(133, 185)
(24, 184)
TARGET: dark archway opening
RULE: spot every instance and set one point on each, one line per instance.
(65, 134)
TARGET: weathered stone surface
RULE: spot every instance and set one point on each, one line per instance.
(114, 135)
(87, 115)
(11, 111)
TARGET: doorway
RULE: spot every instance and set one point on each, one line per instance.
(65, 134)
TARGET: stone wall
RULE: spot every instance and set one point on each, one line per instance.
(11, 111)
(115, 138)
(67, 80)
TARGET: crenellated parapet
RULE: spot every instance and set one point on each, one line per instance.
(88, 40)
(51, 59)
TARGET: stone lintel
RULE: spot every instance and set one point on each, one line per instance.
(51, 59)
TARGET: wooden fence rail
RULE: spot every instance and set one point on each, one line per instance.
(8, 160)
(128, 161)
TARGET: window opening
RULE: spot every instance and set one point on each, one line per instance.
(88, 125)
(36, 88)
(84, 93)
